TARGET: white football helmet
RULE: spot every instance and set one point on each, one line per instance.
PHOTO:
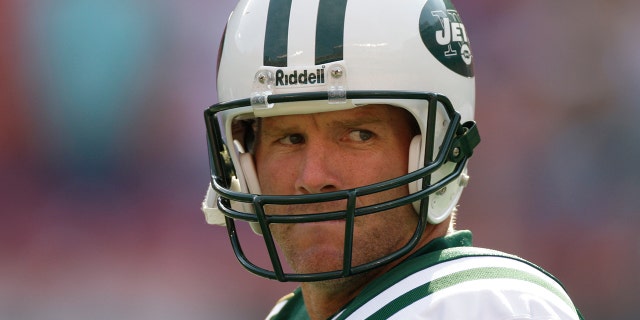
(283, 57)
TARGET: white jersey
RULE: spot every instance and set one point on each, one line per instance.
(453, 282)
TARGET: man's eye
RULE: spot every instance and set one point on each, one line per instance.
(360, 135)
(292, 139)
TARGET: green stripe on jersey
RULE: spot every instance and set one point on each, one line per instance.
(460, 277)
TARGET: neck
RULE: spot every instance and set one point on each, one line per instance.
(325, 298)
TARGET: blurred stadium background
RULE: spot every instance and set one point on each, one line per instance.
(103, 161)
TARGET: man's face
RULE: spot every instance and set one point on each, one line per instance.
(306, 154)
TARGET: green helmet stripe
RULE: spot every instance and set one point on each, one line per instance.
(277, 33)
(330, 31)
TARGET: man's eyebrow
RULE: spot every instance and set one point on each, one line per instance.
(357, 121)
(278, 129)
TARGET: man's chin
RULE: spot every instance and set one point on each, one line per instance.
(320, 258)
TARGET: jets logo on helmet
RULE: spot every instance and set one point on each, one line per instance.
(445, 36)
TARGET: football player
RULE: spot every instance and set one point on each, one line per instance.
(342, 136)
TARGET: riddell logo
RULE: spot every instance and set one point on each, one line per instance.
(299, 77)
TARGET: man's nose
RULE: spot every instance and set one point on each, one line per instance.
(319, 169)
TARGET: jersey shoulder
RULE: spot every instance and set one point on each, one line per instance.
(464, 283)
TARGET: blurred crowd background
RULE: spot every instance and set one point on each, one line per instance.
(103, 161)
